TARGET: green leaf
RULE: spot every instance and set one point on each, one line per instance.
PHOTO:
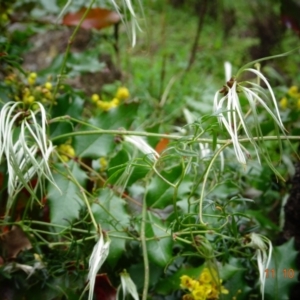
(93, 146)
(229, 270)
(121, 116)
(137, 272)
(118, 165)
(262, 219)
(282, 273)
(84, 62)
(67, 105)
(116, 249)
(55, 66)
(66, 202)
(160, 193)
(97, 145)
(56, 288)
(160, 248)
(110, 212)
(233, 276)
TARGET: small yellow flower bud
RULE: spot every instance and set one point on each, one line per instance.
(48, 85)
(293, 91)
(122, 93)
(70, 151)
(47, 94)
(95, 98)
(283, 103)
(62, 148)
(4, 17)
(103, 164)
(32, 78)
(115, 101)
(106, 106)
(31, 81)
(26, 92)
(66, 151)
(33, 75)
(31, 99)
(37, 257)
(28, 99)
(64, 158)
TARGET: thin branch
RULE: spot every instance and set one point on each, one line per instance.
(71, 40)
(197, 36)
(144, 249)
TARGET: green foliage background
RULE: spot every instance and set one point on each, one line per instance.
(149, 209)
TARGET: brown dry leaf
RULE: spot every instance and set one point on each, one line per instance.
(14, 241)
(97, 18)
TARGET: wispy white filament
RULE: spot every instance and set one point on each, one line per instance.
(264, 249)
(128, 287)
(228, 70)
(98, 256)
(142, 145)
(25, 146)
(127, 4)
(230, 114)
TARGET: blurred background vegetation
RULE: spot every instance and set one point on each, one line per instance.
(172, 73)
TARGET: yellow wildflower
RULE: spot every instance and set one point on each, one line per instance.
(103, 105)
(122, 93)
(26, 92)
(115, 101)
(66, 151)
(103, 164)
(188, 283)
(71, 151)
(205, 276)
(225, 291)
(207, 287)
(28, 99)
(48, 85)
(31, 81)
(202, 292)
(37, 257)
(283, 103)
(4, 17)
(95, 98)
(106, 106)
(293, 91)
(31, 78)
(47, 94)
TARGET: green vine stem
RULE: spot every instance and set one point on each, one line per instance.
(144, 249)
(207, 172)
(175, 137)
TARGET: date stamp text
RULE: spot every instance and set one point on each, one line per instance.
(286, 273)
